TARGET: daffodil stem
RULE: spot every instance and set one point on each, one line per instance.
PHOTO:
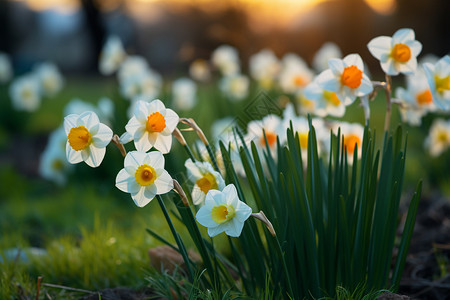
(387, 90)
(176, 236)
(189, 152)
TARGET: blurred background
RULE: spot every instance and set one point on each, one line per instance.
(171, 34)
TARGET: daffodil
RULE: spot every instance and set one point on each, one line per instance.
(269, 128)
(205, 178)
(438, 140)
(397, 54)
(112, 55)
(346, 78)
(200, 70)
(295, 75)
(226, 59)
(326, 52)
(235, 87)
(224, 212)
(264, 68)
(146, 83)
(438, 76)
(184, 92)
(87, 138)
(6, 71)
(144, 176)
(25, 93)
(152, 125)
(132, 66)
(326, 103)
(352, 134)
(50, 79)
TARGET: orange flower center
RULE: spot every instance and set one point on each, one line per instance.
(79, 138)
(401, 53)
(331, 98)
(299, 81)
(145, 175)
(271, 138)
(155, 122)
(350, 143)
(424, 98)
(351, 77)
(207, 182)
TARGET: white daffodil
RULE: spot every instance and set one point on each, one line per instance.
(144, 176)
(6, 71)
(264, 67)
(205, 179)
(25, 93)
(184, 92)
(416, 100)
(226, 59)
(132, 66)
(145, 84)
(152, 125)
(438, 140)
(224, 212)
(87, 138)
(271, 126)
(397, 54)
(53, 164)
(353, 136)
(112, 55)
(50, 79)
(199, 70)
(295, 74)
(346, 78)
(326, 103)
(235, 87)
(304, 104)
(438, 76)
(326, 52)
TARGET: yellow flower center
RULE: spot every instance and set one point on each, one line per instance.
(442, 137)
(299, 81)
(145, 175)
(351, 77)
(207, 182)
(401, 53)
(271, 138)
(350, 143)
(57, 165)
(303, 139)
(79, 138)
(331, 98)
(442, 84)
(424, 98)
(222, 213)
(155, 122)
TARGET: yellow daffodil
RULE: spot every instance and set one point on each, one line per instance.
(224, 212)
(144, 176)
(87, 138)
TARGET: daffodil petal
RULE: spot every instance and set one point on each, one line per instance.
(163, 143)
(172, 120)
(203, 216)
(143, 144)
(73, 156)
(103, 136)
(197, 195)
(141, 111)
(403, 35)
(234, 228)
(89, 120)
(336, 66)
(380, 46)
(155, 159)
(415, 47)
(134, 159)
(408, 68)
(125, 138)
(328, 81)
(366, 86)
(213, 231)
(70, 121)
(231, 196)
(164, 183)
(192, 169)
(126, 183)
(150, 192)
(94, 157)
(354, 60)
(243, 211)
(157, 105)
(133, 125)
(139, 198)
(389, 67)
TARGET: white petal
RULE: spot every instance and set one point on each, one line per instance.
(143, 144)
(415, 47)
(155, 159)
(203, 216)
(366, 86)
(103, 136)
(212, 232)
(171, 121)
(163, 143)
(134, 159)
(336, 66)
(328, 81)
(408, 68)
(164, 183)
(354, 60)
(139, 198)
(157, 105)
(192, 169)
(125, 138)
(93, 156)
(73, 156)
(141, 111)
(389, 67)
(403, 35)
(197, 195)
(70, 121)
(243, 211)
(150, 191)
(89, 120)
(234, 228)
(231, 196)
(133, 125)
(127, 183)
(379, 46)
